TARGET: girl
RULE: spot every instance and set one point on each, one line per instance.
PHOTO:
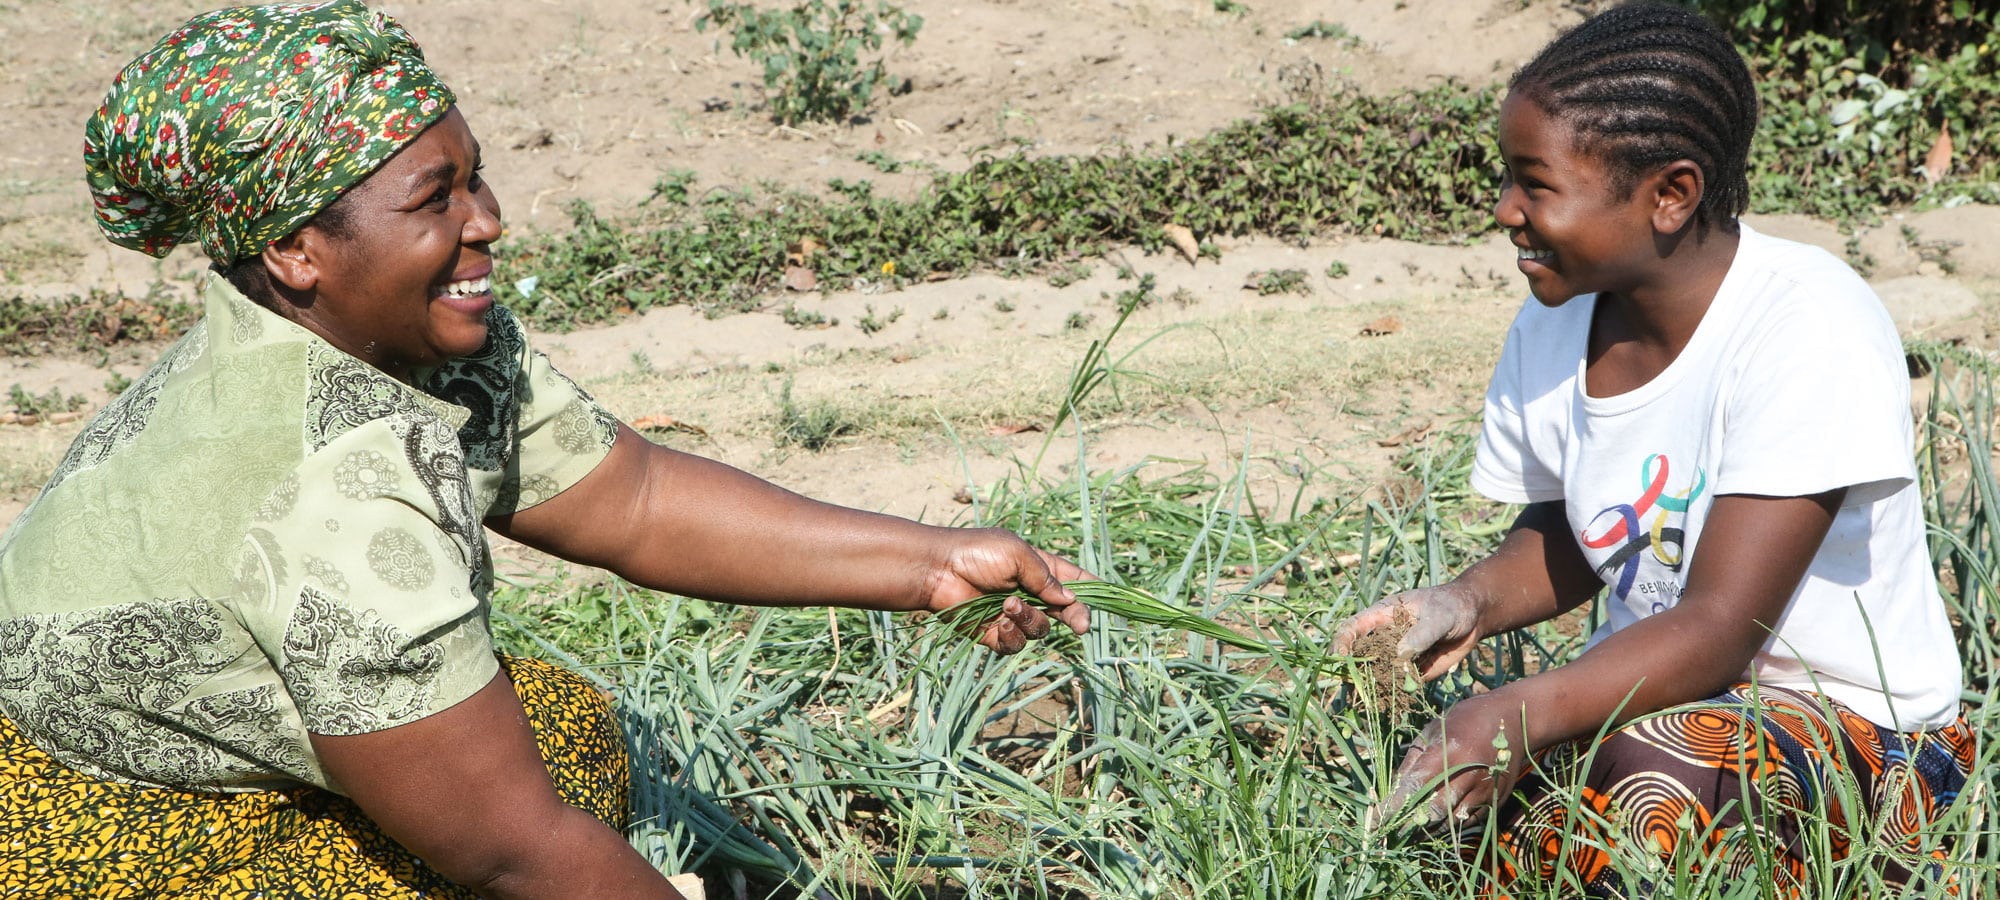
(1714, 425)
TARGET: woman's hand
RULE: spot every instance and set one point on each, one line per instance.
(1464, 760)
(989, 560)
(1442, 623)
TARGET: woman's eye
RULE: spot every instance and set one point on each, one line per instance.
(476, 180)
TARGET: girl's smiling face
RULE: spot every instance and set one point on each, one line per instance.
(1575, 232)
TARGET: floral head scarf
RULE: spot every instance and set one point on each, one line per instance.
(244, 123)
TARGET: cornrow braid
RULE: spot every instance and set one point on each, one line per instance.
(1648, 83)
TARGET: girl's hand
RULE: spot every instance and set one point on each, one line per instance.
(1468, 758)
(1442, 623)
(988, 560)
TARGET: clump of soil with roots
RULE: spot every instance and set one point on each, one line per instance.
(1387, 682)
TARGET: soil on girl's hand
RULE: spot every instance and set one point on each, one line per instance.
(1384, 676)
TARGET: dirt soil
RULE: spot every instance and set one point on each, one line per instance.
(1384, 686)
(597, 99)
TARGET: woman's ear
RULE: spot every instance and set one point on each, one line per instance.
(1676, 190)
(293, 260)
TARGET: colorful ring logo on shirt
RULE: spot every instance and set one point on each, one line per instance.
(1620, 525)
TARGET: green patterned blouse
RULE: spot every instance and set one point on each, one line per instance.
(266, 537)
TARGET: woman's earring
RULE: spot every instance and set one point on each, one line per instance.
(370, 349)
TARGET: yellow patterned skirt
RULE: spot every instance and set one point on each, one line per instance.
(64, 834)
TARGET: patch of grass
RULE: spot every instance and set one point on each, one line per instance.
(1936, 252)
(870, 755)
(91, 322)
(51, 402)
(1229, 361)
(1320, 29)
(812, 426)
(1279, 281)
(1068, 274)
(870, 323)
(37, 255)
(882, 162)
(798, 317)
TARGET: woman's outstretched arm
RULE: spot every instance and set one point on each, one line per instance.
(677, 522)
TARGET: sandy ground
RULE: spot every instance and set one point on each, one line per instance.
(596, 99)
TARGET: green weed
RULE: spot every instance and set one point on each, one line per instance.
(798, 317)
(870, 323)
(1279, 281)
(815, 52)
(812, 426)
(37, 406)
(1066, 275)
(1320, 29)
(882, 162)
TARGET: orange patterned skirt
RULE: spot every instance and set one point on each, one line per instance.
(1757, 782)
(64, 834)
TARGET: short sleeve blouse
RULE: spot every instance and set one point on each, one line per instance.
(265, 538)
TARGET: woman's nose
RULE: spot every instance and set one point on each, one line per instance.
(484, 226)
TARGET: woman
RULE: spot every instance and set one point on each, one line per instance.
(244, 647)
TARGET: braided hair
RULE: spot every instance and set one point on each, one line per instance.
(1648, 83)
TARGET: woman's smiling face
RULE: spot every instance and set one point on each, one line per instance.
(1574, 231)
(405, 281)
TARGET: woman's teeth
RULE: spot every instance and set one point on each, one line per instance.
(469, 288)
(1525, 253)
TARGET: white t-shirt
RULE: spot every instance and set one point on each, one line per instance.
(1794, 383)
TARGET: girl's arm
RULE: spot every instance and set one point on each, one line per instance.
(681, 523)
(1537, 573)
(1753, 552)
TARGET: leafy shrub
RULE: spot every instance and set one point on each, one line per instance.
(1839, 140)
(812, 52)
(1885, 33)
(1415, 166)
